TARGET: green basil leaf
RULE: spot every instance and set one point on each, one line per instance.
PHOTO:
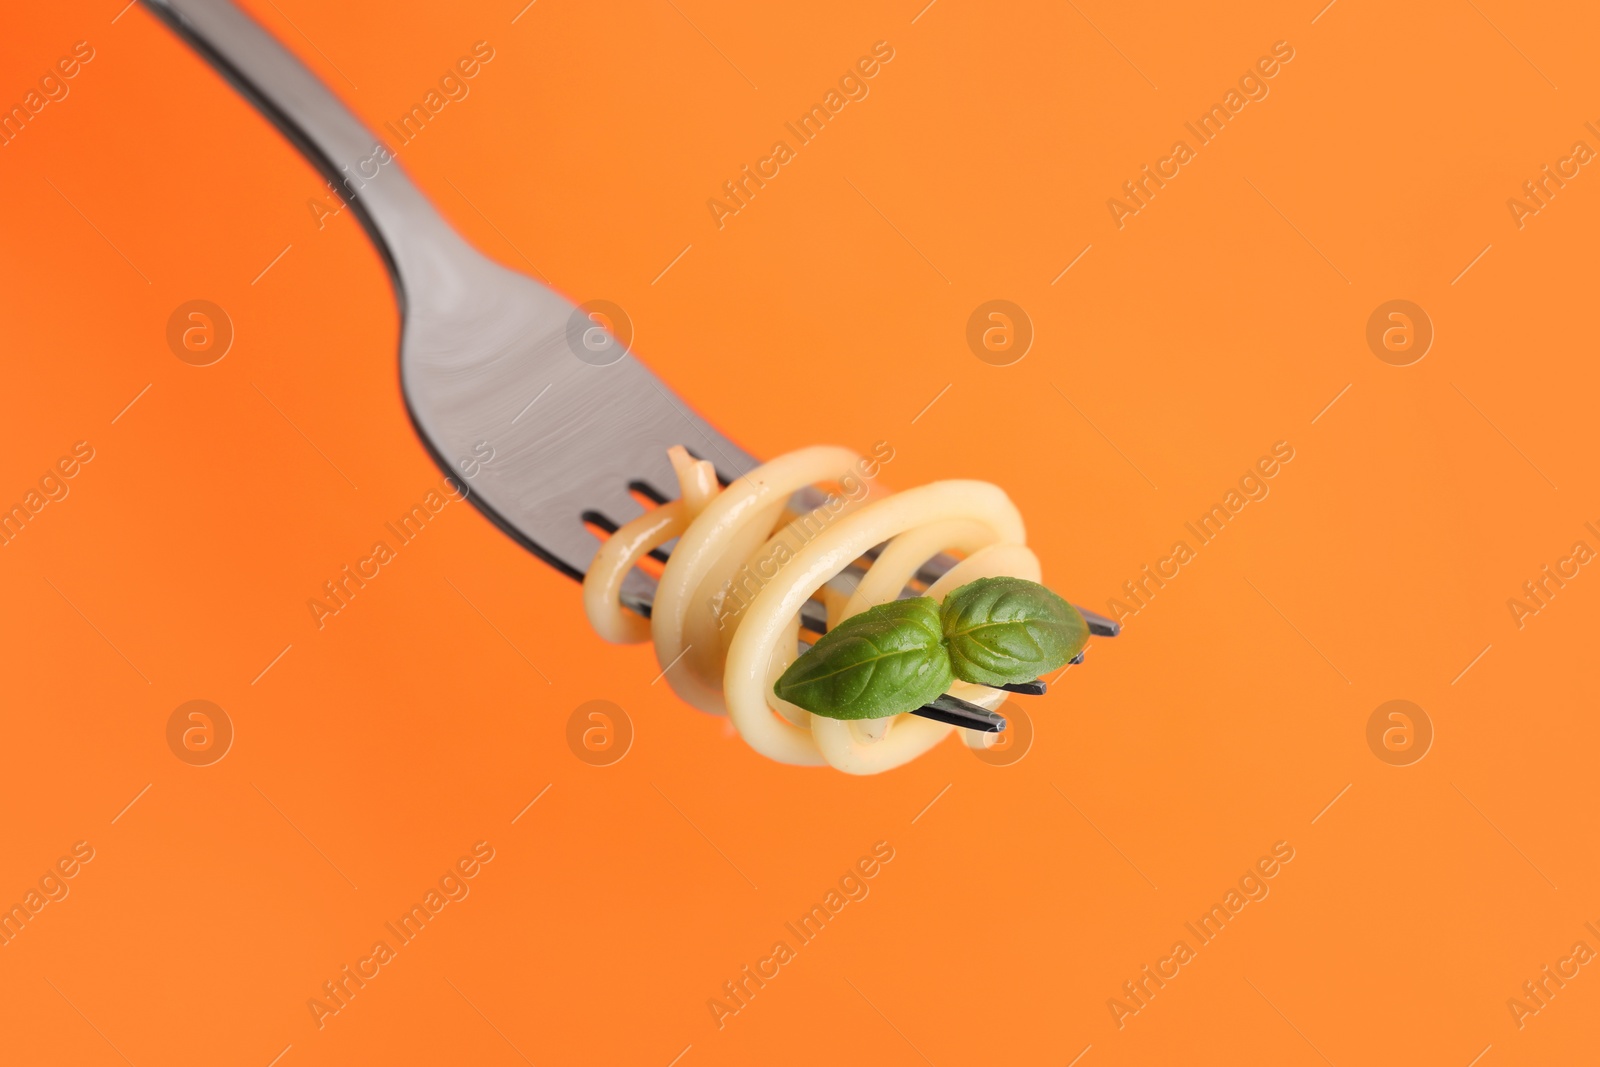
(1005, 630)
(884, 661)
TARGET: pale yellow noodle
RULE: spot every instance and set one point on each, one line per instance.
(725, 619)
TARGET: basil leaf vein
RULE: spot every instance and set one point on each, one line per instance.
(1000, 631)
(884, 661)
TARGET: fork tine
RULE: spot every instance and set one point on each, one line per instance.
(958, 712)
(610, 526)
(1099, 625)
(814, 617)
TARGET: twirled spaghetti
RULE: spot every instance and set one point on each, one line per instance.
(722, 653)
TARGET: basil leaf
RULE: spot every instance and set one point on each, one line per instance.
(884, 661)
(1006, 630)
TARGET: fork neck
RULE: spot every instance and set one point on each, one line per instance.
(422, 251)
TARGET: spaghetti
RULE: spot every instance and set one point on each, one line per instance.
(724, 660)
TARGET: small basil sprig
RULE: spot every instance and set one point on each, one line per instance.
(884, 661)
(898, 656)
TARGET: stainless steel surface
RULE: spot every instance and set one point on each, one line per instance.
(478, 342)
(1099, 625)
(958, 712)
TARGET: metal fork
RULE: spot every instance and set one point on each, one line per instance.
(489, 358)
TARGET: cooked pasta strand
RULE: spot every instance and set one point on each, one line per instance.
(727, 608)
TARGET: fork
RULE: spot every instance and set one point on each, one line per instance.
(490, 358)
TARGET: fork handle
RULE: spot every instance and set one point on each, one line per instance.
(414, 240)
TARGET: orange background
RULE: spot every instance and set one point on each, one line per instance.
(1222, 318)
